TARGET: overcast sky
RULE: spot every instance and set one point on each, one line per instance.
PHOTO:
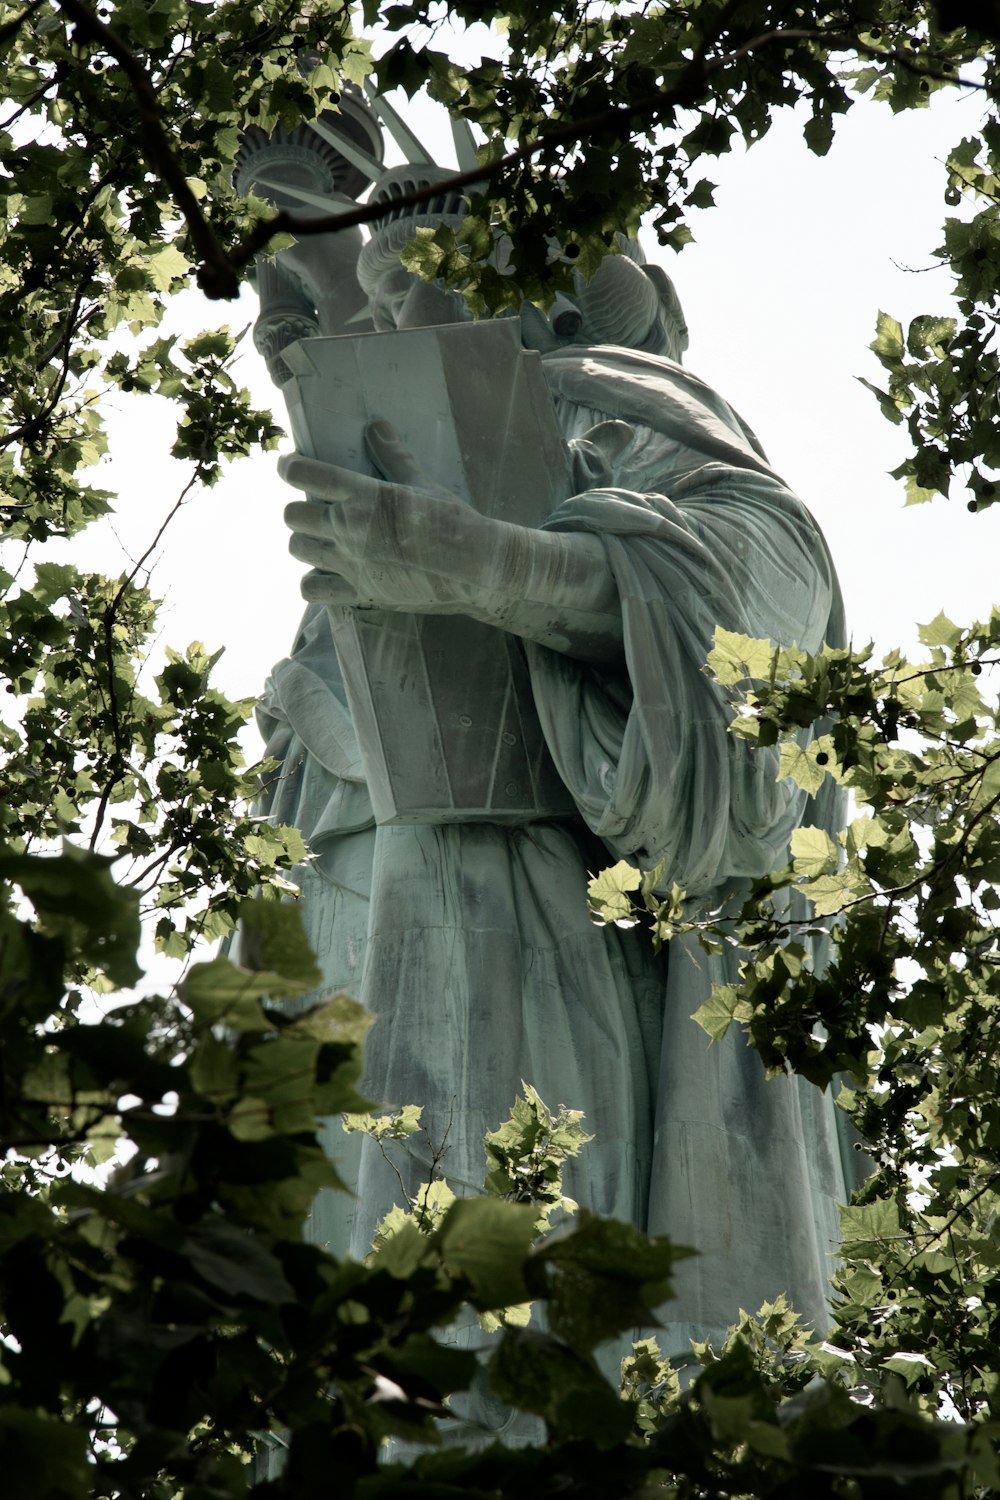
(781, 290)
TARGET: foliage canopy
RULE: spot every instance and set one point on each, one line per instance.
(163, 1315)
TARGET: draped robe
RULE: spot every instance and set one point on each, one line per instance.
(472, 942)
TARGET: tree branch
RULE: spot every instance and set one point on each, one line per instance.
(15, 25)
(217, 271)
(687, 89)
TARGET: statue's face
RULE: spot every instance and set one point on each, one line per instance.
(402, 300)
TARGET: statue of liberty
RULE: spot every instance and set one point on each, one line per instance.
(466, 930)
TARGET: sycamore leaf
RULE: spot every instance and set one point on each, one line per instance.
(251, 1119)
(517, 1316)
(888, 342)
(830, 893)
(736, 657)
(487, 1241)
(44, 1455)
(220, 991)
(813, 851)
(272, 937)
(165, 266)
(337, 1019)
(800, 765)
(869, 1223)
(912, 1367)
(232, 1259)
(608, 891)
(917, 493)
(395, 1127)
(720, 1010)
(940, 631)
(540, 1374)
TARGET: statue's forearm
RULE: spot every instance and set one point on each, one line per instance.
(386, 545)
(551, 587)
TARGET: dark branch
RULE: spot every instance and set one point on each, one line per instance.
(688, 88)
(219, 274)
(217, 270)
(18, 21)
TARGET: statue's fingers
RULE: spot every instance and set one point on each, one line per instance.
(310, 518)
(325, 555)
(329, 588)
(325, 481)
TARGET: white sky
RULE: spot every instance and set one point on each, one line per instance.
(780, 289)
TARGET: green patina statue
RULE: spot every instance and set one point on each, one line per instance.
(483, 707)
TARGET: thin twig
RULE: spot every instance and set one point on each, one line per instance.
(35, 425)
(108, 621)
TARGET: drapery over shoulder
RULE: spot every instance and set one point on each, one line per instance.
(716, 539)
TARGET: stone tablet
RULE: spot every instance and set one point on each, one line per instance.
(443, 704)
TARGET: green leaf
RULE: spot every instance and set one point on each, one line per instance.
(829, 894)
(869, 1225)
(401, 1247)
(888, 342)
(604, 1278)
(166, 265)
(234, 1261)
(723, 1006)
(43, 1455)
(929, 333)
(940, 631)
(609, 890)
(220, 991)
(799, 763)
(912, 1367)
(917, 493)
(338, 1020)
(391, 1127)
(75, 895)
(813, 851)
(273, 938)
(537, 1373)
(37, 209)
(736, 657)
(818, 134)
(213, 1069)
(487, 1241)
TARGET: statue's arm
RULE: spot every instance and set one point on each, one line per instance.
(372, 542)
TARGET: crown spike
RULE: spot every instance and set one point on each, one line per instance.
(357, 157)
(465, 144)
(401, 133)
(323, 201)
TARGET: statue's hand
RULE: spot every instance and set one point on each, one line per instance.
(402, 543)
(397, 543)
